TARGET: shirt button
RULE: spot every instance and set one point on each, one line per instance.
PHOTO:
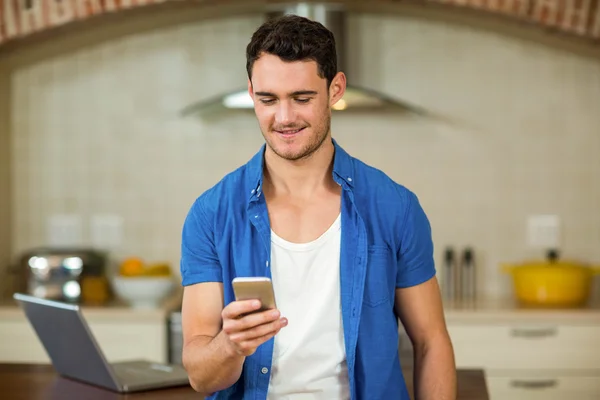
(256, 216)
(267, 264)
(252, 191)
(349, 179)
(264, 370)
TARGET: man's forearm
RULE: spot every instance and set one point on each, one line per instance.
(210, 365)
(435, 370)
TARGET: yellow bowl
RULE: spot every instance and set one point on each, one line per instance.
(557, 284)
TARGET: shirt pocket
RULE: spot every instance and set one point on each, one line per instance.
(377, 279)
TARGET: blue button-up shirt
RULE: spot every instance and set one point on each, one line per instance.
(386, 244)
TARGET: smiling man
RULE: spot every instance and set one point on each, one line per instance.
(349, 252)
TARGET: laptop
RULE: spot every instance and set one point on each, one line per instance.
(75, 354)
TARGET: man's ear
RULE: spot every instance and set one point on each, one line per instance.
(250, 90)
(337, 89)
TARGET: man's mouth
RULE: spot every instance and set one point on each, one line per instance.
(289, 132)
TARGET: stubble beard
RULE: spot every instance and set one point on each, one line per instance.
(321, 132)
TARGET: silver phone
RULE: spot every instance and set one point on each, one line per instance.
(255, 288)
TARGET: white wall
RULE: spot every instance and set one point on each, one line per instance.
(97, 131)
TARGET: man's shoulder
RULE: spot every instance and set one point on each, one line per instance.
(230, 188)
(379, 184)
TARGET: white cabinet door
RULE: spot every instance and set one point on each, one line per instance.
(19, 343)
(547, 386)
(526, 346)
(129, 341)
(118, 339)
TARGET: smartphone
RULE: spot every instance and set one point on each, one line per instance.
(252, 288)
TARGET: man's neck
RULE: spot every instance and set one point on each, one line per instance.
(300, 178)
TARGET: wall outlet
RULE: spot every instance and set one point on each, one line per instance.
(543, 231)
(64, 230)
(106, 231)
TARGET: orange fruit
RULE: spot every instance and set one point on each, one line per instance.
(132, 266)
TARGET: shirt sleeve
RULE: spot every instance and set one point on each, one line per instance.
(415, 256)
(199, 260)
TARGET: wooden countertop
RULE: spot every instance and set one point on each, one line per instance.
(40, 382)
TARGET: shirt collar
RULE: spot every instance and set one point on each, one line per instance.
(343, 170)
(343, 166)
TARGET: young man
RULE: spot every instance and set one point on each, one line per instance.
(349, 252)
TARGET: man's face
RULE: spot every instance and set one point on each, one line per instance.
(293, 104)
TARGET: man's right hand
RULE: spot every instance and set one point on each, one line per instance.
(245, 329)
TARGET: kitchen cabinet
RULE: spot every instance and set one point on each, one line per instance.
(122, 334)
(526, 354)
(530, 361)
(529, 346)
(546, 385)
(529, 354)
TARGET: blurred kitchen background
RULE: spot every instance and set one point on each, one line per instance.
(505, 159)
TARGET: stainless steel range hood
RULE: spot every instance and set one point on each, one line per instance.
(332, 16)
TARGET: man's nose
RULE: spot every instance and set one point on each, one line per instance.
(285, 113)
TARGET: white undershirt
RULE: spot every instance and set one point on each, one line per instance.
(309, 359)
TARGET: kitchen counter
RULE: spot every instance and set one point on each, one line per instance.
(508, 310)
(39, 381)
(113, 311)
(492, 310)
(486, 310)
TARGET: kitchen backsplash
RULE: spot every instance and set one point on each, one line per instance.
(97, 132)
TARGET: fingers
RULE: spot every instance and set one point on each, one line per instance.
(247, 348)
(248, 322)
(255, 319)
(271, 328)
(244, 331)
(238, 308)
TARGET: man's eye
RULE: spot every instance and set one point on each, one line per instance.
(267, 101)
(303, 100)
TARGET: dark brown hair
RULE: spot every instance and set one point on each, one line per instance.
(294, 38)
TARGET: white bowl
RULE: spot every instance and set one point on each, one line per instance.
(143, 292)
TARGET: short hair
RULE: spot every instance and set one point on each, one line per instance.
(294, 38)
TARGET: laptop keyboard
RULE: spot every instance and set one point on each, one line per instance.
(146, 371)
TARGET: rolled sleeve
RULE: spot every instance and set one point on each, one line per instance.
(199, 260)
(415, 256)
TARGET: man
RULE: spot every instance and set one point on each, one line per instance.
(349, 252)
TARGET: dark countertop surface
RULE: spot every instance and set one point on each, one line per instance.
(37, 382)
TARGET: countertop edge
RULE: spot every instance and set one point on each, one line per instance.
(488, 311)
(501, 311)
(114, 311)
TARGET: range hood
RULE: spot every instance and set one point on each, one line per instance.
(332, 16)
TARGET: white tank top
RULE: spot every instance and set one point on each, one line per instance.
(309, 358)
